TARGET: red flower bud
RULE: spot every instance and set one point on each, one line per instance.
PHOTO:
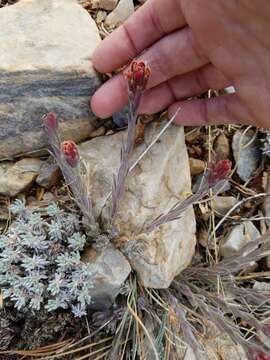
(137, 76)
(255, 354)
(70, 152)
(219, 171)
(50, 123)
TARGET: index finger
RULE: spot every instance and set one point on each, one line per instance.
(152, 21)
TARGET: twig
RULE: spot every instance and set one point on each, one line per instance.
(144, 329)
(235, 207)
(154, 141)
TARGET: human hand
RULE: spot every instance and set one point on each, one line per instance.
(192, 46)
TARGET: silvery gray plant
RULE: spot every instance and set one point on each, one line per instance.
(40, 261)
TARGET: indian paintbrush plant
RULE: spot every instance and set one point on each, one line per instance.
(137, 78)
(67, 157)
(41, 266)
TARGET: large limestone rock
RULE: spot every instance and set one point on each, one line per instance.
(45, 65)
(158, 182)
(112, 270)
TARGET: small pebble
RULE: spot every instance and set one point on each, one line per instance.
(109, 132)
(262, 286)
(98, 132)
(238, 237)
(204, 240)
(222, 147)
(247, 154)
(196, 166)
(222, 204)
(49, 175)
(101, 16)
(4, 213)
(193, 135)
(108, 5)
(124, 9)
(230, 90)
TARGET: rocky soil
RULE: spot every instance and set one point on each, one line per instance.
(45, 65)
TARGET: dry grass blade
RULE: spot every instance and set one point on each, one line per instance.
(126, 340)
(187, 331)
(137, 319)
(262, 274)
(87, 356)
(93, 333)
(117, 342)
(253, 251)
(78, 350)
(226, 304)
(42, 351)
(233, 208)
(153, 142)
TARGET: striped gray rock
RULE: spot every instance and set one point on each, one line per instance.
(45, 65)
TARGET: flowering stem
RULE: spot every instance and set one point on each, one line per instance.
(137, 77)
(177, 210)
(67, 157)
(126, 153)
(215, 176)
